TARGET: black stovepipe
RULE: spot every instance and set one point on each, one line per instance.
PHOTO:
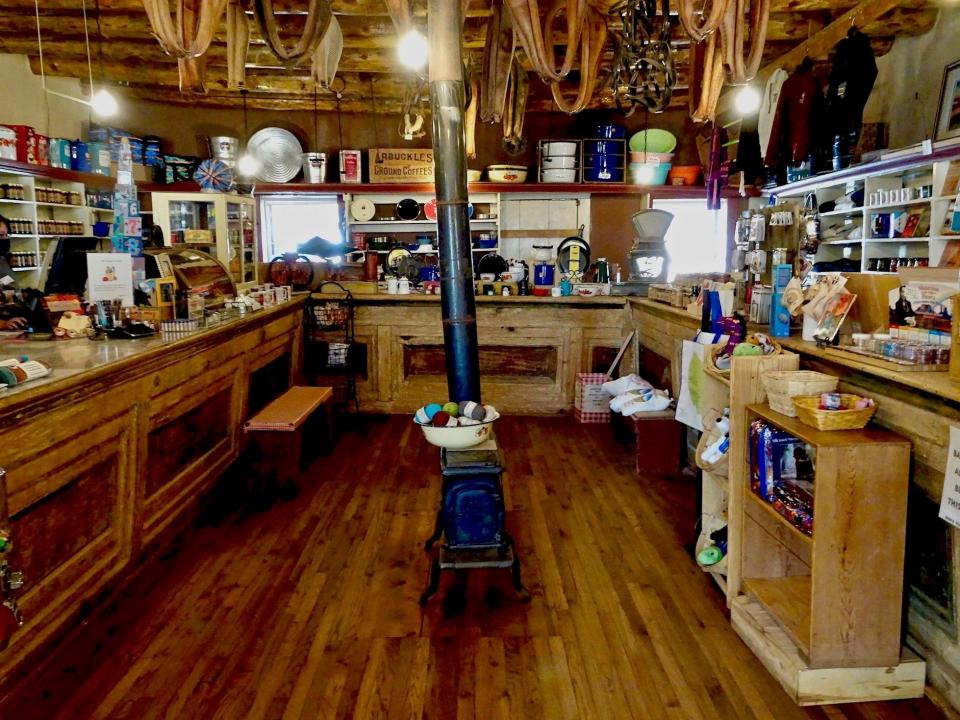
(457, 301)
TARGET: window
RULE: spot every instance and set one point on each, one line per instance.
(697, 238)
(286, 221)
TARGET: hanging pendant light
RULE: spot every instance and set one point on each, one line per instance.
(247, 164)
(101, 101)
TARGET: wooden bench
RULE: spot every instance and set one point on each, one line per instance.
(279, 429)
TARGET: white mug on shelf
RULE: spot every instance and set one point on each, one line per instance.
(874, 199)
(393, 285)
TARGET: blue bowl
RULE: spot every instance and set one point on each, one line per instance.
(485, 244)
(600, 162)
(611, 132)
(652, 174)
(101, 229)
(603, 147)
(607, 174)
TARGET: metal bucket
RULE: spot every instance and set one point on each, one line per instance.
(223, 147)
(314, 167)
(58, 150)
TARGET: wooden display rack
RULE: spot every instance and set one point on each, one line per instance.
(735, 390)
(823, 613)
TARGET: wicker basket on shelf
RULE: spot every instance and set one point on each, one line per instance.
(848, 418)
(784, 385)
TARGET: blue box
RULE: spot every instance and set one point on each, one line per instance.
(779, 315)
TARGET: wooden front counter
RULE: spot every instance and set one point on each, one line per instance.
(106, 457)
(531, 349)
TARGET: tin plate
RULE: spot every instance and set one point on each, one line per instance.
(278, 152)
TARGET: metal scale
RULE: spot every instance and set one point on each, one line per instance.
(648, 259)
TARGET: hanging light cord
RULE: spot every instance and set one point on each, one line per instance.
(43, 74)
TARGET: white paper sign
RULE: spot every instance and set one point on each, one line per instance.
(110, 277)
(950, 501)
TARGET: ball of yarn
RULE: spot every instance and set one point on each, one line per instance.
(7, 376)
(439, 419)
(422, 417)
(432, 409)
(489, 413)
(452, 409)
(464, 420)
(470, 409)
(452, 422)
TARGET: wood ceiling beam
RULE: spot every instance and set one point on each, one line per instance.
(478, 8)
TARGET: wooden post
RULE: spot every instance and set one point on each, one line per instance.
(458, 303)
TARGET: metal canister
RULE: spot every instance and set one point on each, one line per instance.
(314, 167)
(98, 155)
(603, 271)
(350, 167)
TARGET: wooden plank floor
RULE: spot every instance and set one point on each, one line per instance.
(309, 610)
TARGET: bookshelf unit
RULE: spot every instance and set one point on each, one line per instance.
(823, 612)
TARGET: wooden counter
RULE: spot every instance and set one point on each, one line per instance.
(921, 406)
(531, 349)
(106, 457)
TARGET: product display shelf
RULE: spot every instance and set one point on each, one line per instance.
(405, 231)
(940, 170)
(32, 178)
(718, 505)
(823, 613)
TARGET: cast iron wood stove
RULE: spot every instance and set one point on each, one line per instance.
(471, 518)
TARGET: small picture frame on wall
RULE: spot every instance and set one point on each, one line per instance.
(948, 114)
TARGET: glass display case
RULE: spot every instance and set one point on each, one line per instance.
(221, 224)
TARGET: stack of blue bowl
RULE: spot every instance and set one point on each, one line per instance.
(603, 156)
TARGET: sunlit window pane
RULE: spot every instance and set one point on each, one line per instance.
(289, 221)
(697, 238)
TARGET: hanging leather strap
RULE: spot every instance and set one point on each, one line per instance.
(319, 15)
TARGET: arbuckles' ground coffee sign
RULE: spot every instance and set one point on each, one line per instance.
(401, 165)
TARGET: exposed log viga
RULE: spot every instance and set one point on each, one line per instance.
(498, 58)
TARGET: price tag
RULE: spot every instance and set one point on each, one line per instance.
(950, 501)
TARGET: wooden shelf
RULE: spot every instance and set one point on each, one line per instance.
(787, 599)
(828, 438)
(45, 172)
(772, 512)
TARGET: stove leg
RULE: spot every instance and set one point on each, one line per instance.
(522, 592)
(437, 532)
(434, 583)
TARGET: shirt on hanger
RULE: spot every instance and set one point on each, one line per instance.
(768, 106)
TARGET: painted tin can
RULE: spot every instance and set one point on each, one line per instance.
(99, 154)
(79, 156)
(8, 143)
(58, 151)
(350, 166)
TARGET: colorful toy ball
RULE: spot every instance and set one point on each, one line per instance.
(472, 410)
(452, 409)
(440, 419)
(489, 413)
(422, 417)
(432, 409)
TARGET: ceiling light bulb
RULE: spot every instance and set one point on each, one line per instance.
(103, 103)
(413, 50)
(248, 165)
(747, 100)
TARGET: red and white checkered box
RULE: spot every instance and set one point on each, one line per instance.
(591, 404)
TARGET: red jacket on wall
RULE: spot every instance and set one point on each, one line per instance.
(790, 134)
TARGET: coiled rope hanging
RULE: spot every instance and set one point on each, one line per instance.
(688, 11)
(319, 14)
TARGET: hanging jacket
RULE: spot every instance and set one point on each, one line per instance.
(851, 80)
(790, 132)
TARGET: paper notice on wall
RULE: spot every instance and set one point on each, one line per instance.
(950, 501)
(110, 277)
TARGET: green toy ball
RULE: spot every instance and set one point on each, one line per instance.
(710, 556)
(452, 409)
